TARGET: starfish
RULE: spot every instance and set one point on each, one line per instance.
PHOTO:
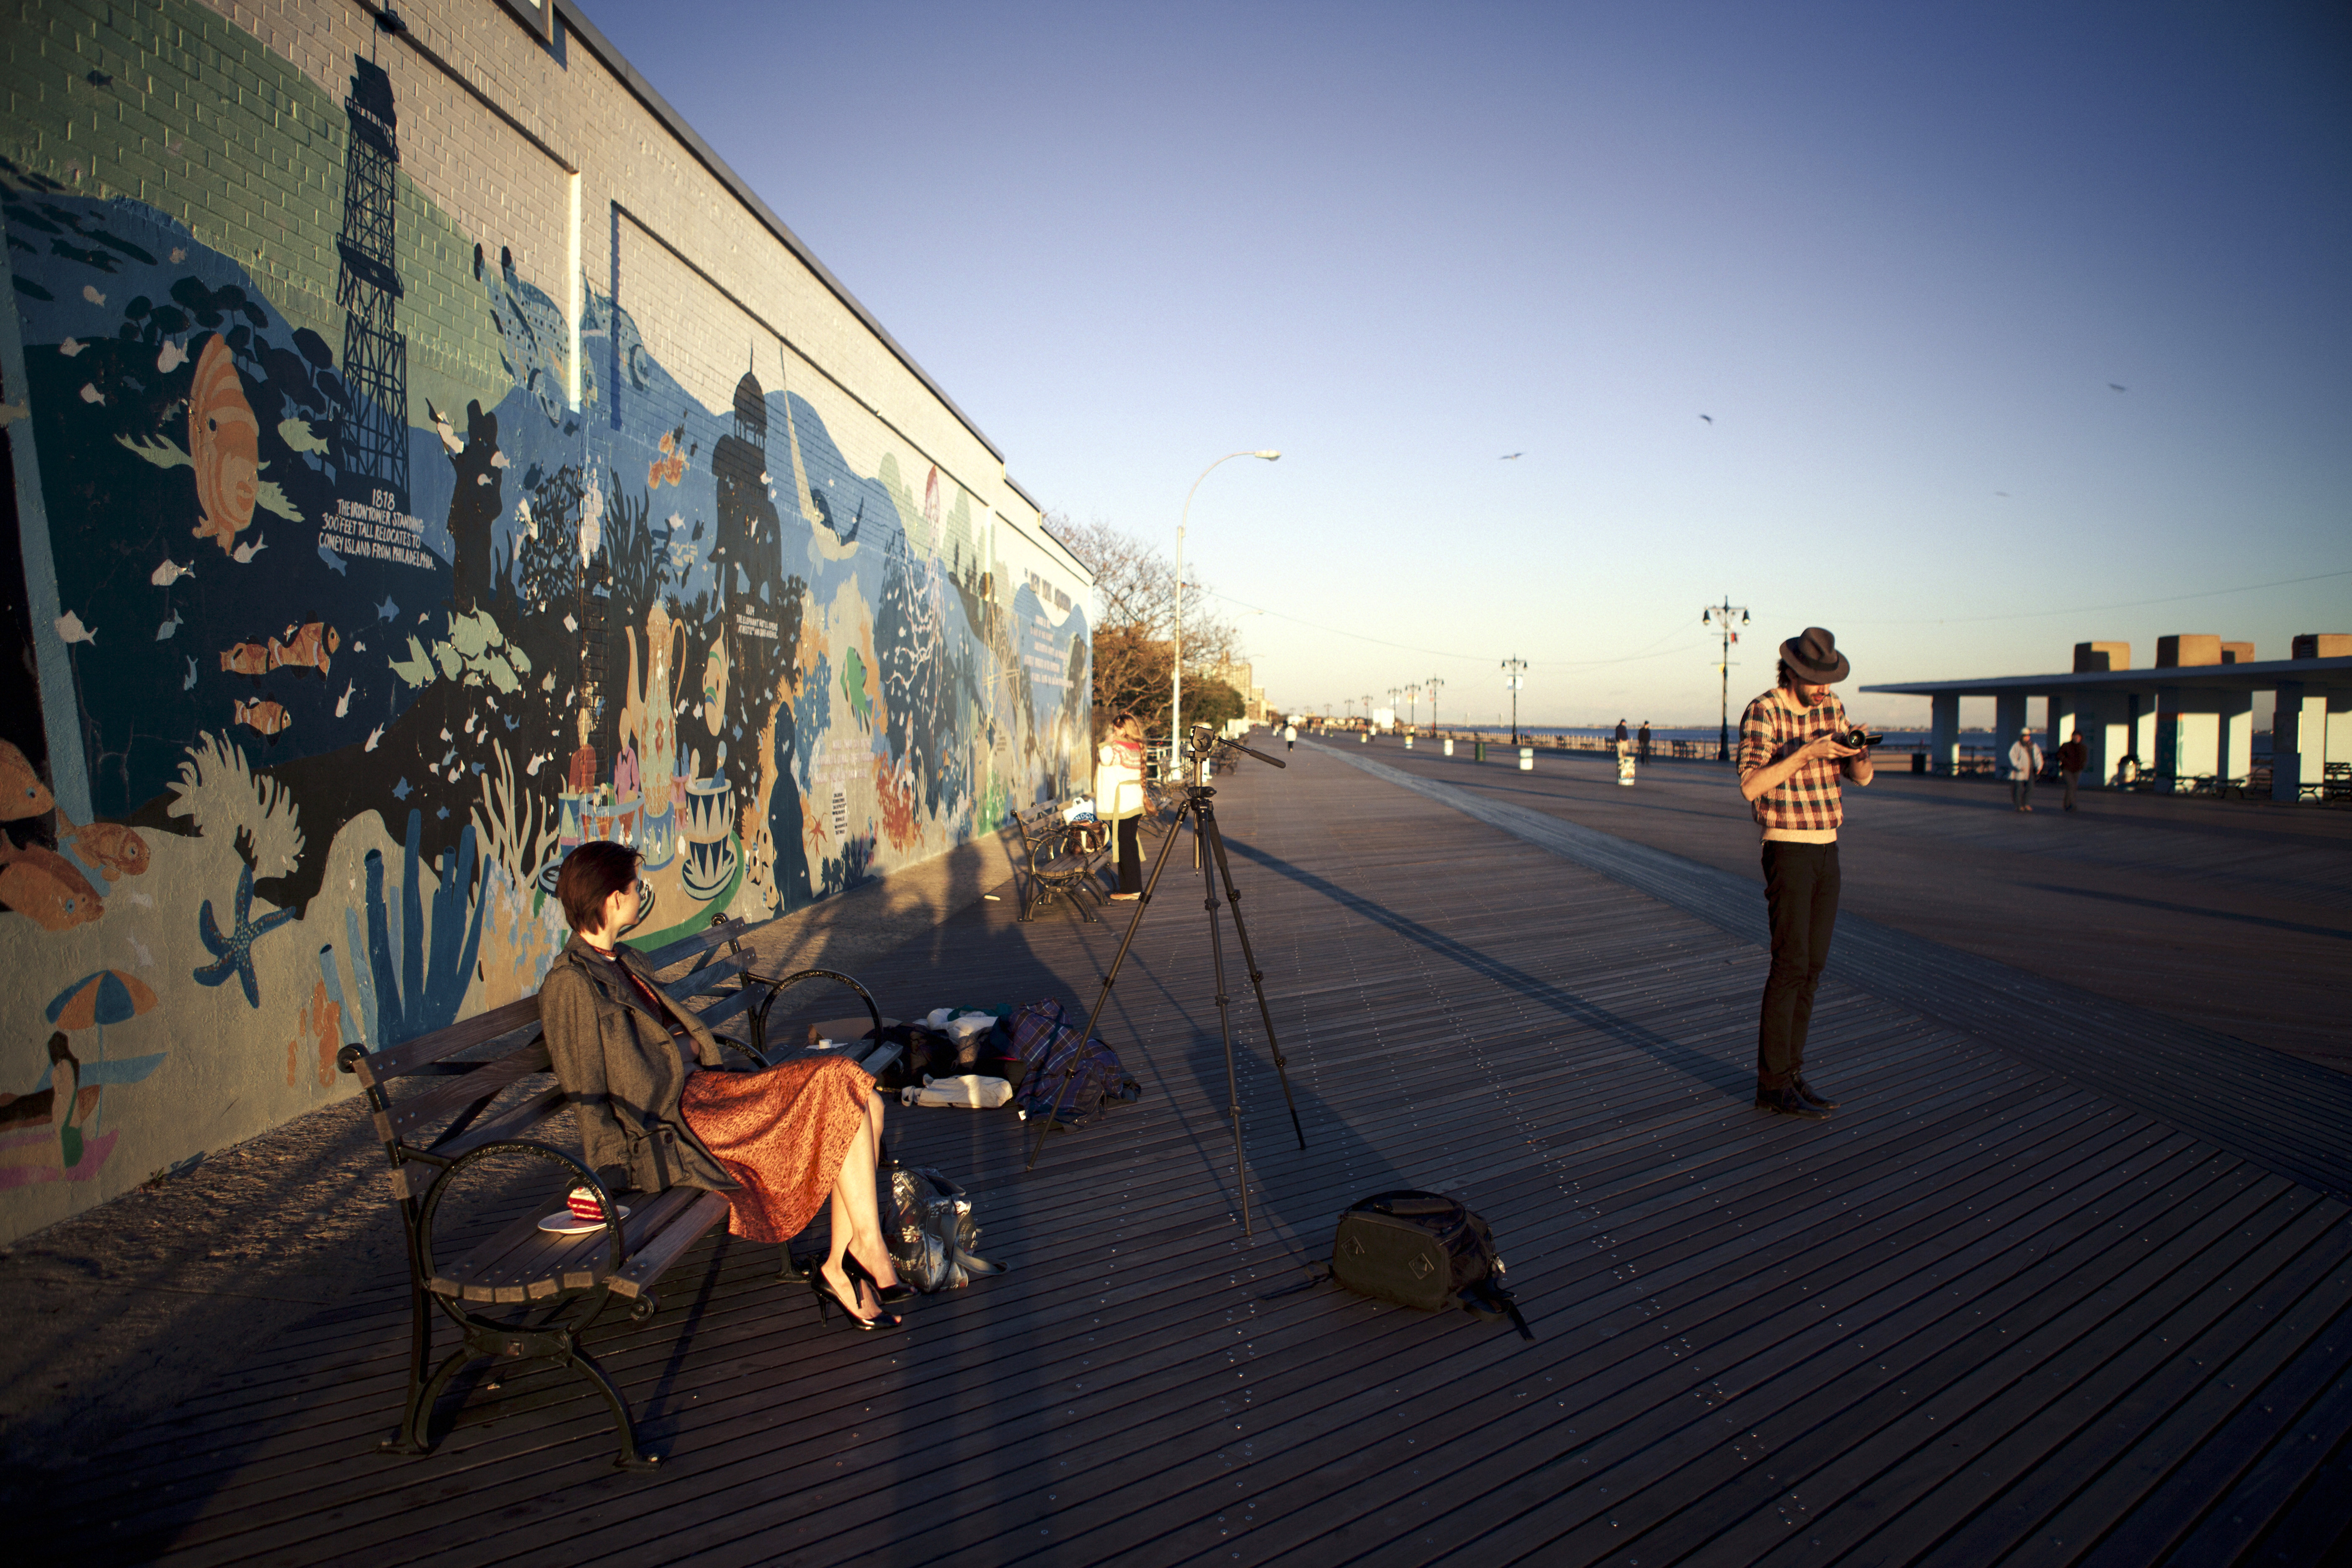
(233, 953)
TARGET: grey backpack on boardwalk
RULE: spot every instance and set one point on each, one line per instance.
(1423, 1250)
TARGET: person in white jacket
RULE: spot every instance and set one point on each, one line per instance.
(2025, 762)
(1118, 798)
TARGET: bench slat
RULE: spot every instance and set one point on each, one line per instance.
(646, 1264)
(695, 982)
(430, 1107)
(524, 1263)
(701, 941)
(379, 1066)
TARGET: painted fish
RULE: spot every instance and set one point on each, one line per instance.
(266, 717)
(170, 572)
(71, 630)
(312, 645)
(171, 358)
(224, 446)
(246, 658)
(22, 792)
(44, 887)
(188, 681)
(168, 627)
(110, 846)
(343, 703)
(245, 552)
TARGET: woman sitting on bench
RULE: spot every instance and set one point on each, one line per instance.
(777, 1141)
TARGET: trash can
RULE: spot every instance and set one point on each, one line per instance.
(1408, 741)
(1625, 768)
(1527, 759)
(1918, 761)
(1365, 739)
(1477, 750)
(1449, 745)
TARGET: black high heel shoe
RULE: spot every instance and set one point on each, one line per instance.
(888, 1295)
(826, 1300)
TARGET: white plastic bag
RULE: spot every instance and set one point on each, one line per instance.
(971, 1090)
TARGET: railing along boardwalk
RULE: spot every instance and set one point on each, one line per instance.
(1988, 1313)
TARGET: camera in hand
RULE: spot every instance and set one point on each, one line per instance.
(1859, 738)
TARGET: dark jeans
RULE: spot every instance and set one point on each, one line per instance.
(1131, 855)
(2070, 778)
(1800, 886)
(2021, 793)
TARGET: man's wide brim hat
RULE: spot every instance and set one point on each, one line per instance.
(1815, 657)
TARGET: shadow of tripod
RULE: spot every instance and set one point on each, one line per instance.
(1200, 806)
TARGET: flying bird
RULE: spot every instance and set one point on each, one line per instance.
(2113, 387)
(1708, 418)
(1508, 456)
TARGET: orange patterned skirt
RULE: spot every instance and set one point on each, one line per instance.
(782, 1134)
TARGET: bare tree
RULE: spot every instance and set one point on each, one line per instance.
(1137, 587)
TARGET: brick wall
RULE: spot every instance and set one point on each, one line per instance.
(367, 577)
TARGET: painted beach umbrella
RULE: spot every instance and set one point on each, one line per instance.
(109, 997)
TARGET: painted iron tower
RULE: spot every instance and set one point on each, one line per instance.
(375, 442)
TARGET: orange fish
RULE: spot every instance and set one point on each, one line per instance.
(43, 886)
(265, 716)
(22, 792)
(311, 647)
(250, 659)
(108, 845)
(223, 446)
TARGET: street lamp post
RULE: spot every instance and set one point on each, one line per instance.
(1434, 684)
(1176, 673)
(1514, 672)
(1719, 616)
(1412, 718)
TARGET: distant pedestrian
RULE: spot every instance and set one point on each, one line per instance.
(1790, 761)
(1118, 797)
(1290, 737)
(1642, 741)
(2025, 762)
(2072, 758)
(1621, 734)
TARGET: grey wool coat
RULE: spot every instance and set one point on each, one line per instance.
(623, 1073)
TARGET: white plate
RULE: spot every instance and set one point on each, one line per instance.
(562, 1223)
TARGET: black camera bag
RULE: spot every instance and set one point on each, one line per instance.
(1423, 1250)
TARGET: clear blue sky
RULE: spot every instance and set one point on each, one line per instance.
(1898, 253)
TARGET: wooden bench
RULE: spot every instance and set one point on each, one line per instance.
(524, 1293)
(1054, 865)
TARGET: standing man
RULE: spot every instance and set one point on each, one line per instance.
(1621, 737)
(2072, 756)
(1642, 741)
(1290, 737)
(1791, 760)
(2024, 761)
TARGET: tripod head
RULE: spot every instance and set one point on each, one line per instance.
(1217, 741)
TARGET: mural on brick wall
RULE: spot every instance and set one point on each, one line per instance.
(351, 671)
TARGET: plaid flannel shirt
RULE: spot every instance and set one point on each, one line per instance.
(1808, 800)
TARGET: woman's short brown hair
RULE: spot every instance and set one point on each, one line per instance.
(591, 874)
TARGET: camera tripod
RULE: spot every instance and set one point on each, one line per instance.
(1201, 808)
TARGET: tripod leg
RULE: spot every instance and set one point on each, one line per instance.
(1205, 825)
(1257, 979)
(1134, 924)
